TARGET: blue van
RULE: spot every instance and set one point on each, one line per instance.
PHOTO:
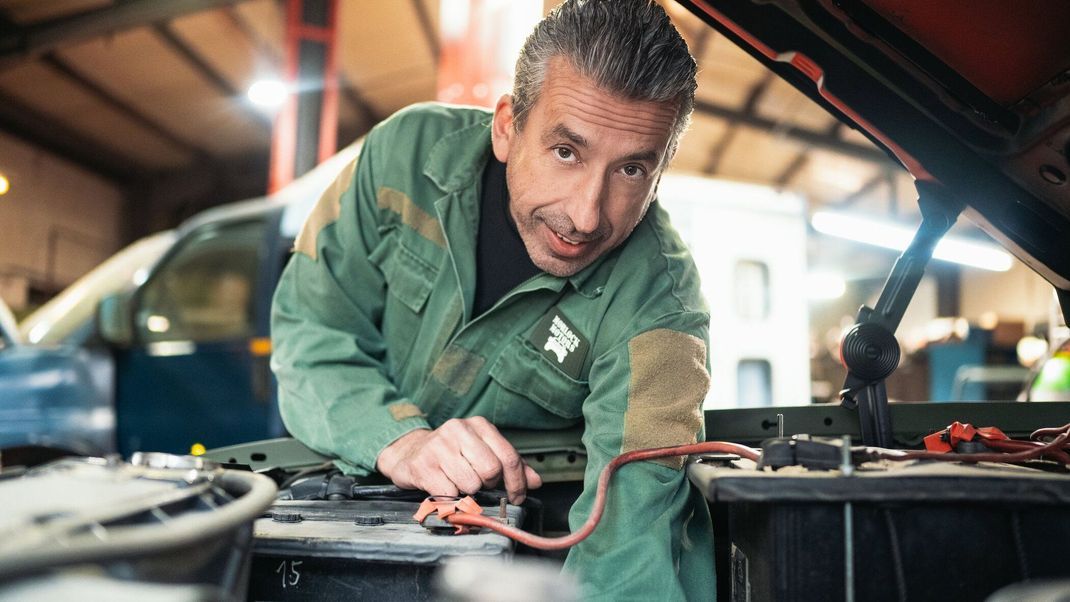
(51, 397)
(180, 344)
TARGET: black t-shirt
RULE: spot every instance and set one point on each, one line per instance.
(502, 261)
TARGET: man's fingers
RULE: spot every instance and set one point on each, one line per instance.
(481, 457)
(512, 465)
(458, 470)
(434, 481)
(463, 455)
(533, 478)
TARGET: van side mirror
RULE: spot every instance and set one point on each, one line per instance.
(114, 321)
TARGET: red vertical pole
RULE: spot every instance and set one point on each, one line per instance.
(329, 116)
(305, 129)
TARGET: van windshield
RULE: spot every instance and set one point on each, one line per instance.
(67, 312)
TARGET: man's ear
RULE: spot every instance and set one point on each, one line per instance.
(501, 128)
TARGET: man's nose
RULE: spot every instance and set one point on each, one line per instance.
(586, 208)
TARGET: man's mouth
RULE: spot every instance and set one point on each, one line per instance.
(568, 240)
(566, 247)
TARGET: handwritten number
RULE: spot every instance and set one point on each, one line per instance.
(290, 575)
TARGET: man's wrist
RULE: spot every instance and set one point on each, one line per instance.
(399, 448)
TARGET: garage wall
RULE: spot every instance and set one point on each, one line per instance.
(1018, 294)
(56, 223)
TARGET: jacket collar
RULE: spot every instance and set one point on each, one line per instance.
(458, 158)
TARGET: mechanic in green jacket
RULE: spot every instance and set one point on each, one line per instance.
(473, 271)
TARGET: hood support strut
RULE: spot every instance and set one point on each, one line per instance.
(869, 350)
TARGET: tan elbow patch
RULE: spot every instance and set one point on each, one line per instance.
(403, 410)
(668, 382)
(326, 211)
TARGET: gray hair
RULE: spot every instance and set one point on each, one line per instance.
(627, 47)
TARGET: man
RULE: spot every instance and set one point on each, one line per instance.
(471, 272)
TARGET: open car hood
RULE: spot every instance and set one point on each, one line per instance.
(972, 95)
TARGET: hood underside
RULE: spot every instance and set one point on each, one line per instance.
(973, 95)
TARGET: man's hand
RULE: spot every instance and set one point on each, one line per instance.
(463, 455)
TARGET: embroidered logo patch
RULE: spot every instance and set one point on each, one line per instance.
(557, 339)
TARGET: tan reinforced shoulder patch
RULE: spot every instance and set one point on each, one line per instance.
(668, 382)
(411, 214)
(403, 410)
(326, 211)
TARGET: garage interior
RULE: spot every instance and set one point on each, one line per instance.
(129, 129)
(123, 118)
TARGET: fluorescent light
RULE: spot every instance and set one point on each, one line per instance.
(267, 93)
(898, 237)
(824, 286)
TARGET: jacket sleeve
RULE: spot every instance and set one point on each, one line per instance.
(329, 354)
(654, 541)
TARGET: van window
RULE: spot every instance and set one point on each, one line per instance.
(751, 280)
(754, 383)
(204, 292)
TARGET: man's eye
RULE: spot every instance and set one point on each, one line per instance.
(632, 171)
(564, 153)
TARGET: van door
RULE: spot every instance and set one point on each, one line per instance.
(192, 375)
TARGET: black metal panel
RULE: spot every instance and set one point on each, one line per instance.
(915, 533)
(912, 421)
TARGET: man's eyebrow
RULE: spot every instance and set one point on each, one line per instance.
(649, 156)
(562, 131)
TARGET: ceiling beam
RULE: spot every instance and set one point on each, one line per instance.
(194, 58)
(807, 137)
(35, 40)
(750, 104)
(183, 49)
(720, 149)
(42, 131)
(797, 164)
(802, 158)
(262, 46)
(426, 25)
(65, 69)
(702, 41)
(354, 96)
(867, 187)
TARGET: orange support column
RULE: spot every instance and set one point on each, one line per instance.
(480, 40)
(305, 130)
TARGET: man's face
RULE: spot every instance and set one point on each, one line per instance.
(583, 170)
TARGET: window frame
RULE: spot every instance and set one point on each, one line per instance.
(192, 237)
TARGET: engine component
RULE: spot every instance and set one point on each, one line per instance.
(157, 519)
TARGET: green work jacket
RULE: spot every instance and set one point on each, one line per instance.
(374, 336)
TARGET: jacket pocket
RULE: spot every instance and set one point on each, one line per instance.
(409, 280)
(527, 378)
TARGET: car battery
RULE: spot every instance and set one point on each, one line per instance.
(916, 530)
(324, 549)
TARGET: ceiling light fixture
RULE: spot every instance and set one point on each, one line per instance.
(824, 286)
(5, 184)
(895, 236)
(267, 93)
